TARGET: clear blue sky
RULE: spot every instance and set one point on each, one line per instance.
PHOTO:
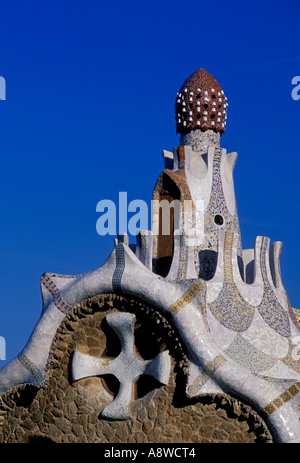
(91, 88)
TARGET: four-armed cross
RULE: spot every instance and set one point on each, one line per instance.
(127, 367)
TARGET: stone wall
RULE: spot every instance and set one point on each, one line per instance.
(70, 412)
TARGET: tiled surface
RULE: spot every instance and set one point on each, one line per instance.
(240, 340)
(200, 141)
(48, 283)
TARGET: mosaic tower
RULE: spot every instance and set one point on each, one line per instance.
(227, 305)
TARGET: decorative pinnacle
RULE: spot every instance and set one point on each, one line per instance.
(200, 104)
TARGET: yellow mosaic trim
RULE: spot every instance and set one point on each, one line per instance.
(230, 309)
(282, 399)
(295, 314)
(208, 372)
(227, 257)
(187, 297)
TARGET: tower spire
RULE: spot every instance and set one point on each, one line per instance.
(201, 104)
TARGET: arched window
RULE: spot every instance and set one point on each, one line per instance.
(169, 201)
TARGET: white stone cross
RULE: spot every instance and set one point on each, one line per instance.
(127, 367)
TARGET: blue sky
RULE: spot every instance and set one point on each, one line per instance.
(89, 108)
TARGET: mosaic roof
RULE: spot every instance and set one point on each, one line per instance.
(200, 104)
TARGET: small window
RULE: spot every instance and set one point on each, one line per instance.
(219, 220)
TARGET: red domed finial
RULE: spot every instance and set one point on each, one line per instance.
(200, 104)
